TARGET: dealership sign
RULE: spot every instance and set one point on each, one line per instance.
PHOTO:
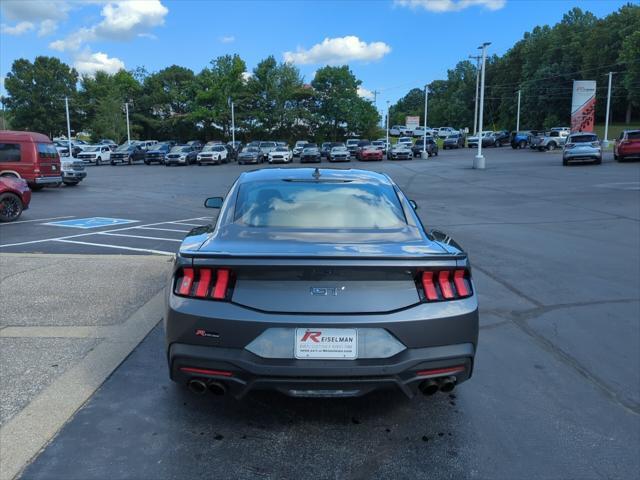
(412, 122)
(583, 105)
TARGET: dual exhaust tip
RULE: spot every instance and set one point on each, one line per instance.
(431, 386)
(200, 387)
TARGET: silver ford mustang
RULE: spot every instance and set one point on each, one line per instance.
(319, 283)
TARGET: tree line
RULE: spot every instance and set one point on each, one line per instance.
(543, 66)
(272, 102)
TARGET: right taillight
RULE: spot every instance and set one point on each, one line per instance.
(442, 285)
(205, 283)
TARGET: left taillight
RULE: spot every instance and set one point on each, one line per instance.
(205, 283)
(443, 285)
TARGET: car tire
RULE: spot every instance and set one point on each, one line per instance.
(598, 161)
(551, 146)
(130, 161)
(10, 207)
(113, 163)
(522, 144)
(98, 162)
(71, 184)
(565, 162)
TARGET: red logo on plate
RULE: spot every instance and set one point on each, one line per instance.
(313, 336)
(201, 333)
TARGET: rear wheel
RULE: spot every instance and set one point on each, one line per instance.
(98, 161)
(598, 161)
(10, 207)
(36, 187)
(522, 144)
(565, 162)
(551, 146)
(71, 184)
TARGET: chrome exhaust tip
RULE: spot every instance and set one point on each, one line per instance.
(197, 386)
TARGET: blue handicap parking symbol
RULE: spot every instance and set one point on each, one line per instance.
(92, 222)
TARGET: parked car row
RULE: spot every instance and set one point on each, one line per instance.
(420, 131)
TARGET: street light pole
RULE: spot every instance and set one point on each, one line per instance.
(126, 108)
(479, 160)
(606, 122)
(475, 112)
(233, 125)
(424, 138)
(387, 146)
(518, 115)
(66, 106)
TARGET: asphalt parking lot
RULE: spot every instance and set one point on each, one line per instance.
(556, 388)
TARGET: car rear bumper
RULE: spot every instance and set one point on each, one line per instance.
(71, 175)
(46, 180)
(241, 371)
(583, 155)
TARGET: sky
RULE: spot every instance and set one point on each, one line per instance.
(391, 45)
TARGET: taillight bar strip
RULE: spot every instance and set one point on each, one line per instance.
(451, 284)
(197, 283)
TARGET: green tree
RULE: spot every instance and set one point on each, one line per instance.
(338, 109)
(36, 94)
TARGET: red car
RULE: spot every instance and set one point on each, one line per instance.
(15, 196)
(370, 152)
(627, 145)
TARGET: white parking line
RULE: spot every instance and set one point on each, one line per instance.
(139, 236)
(165, 229)
(188, 224)
(66, 237)
(37, 220)
(159, 252)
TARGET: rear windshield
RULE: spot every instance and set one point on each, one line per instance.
(584, 138)
(318, 205)
(633, 135)
(47, 150)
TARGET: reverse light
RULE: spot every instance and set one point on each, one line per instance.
(446, 284)
(205, 283)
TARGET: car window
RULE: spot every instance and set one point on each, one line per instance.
(47, 150)
(633, 135)
(9, 152)
(584, 138)
(318, 205)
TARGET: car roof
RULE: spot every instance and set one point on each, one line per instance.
(17, 136)
(335, 174)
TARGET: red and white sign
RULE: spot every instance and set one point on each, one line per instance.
(583, 105)
(327, 343)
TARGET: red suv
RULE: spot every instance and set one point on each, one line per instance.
(627, 145)
(30, 156)
(14, 198)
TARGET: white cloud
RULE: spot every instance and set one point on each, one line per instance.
(228, 39)
(18, 29)
(150, 36)
(440, 6)
(88, 63)
(46, 13)
(122, 20)
(335, 51)
(365, 93)
(246, 76)
(47, 27)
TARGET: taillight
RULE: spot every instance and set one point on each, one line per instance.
(206, 283)
(446, 284)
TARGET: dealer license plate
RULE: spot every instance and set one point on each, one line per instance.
(326, 343)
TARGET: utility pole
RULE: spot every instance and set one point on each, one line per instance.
(375, 99)
(606, 122)
(66, 107)
(475, 111)
(424, 135)
(387, 147)
(479, 159)
(518, 115)
(126, 108)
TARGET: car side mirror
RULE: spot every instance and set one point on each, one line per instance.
(214, 202)
(413, 204)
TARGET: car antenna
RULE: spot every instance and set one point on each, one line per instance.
(316, 173)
